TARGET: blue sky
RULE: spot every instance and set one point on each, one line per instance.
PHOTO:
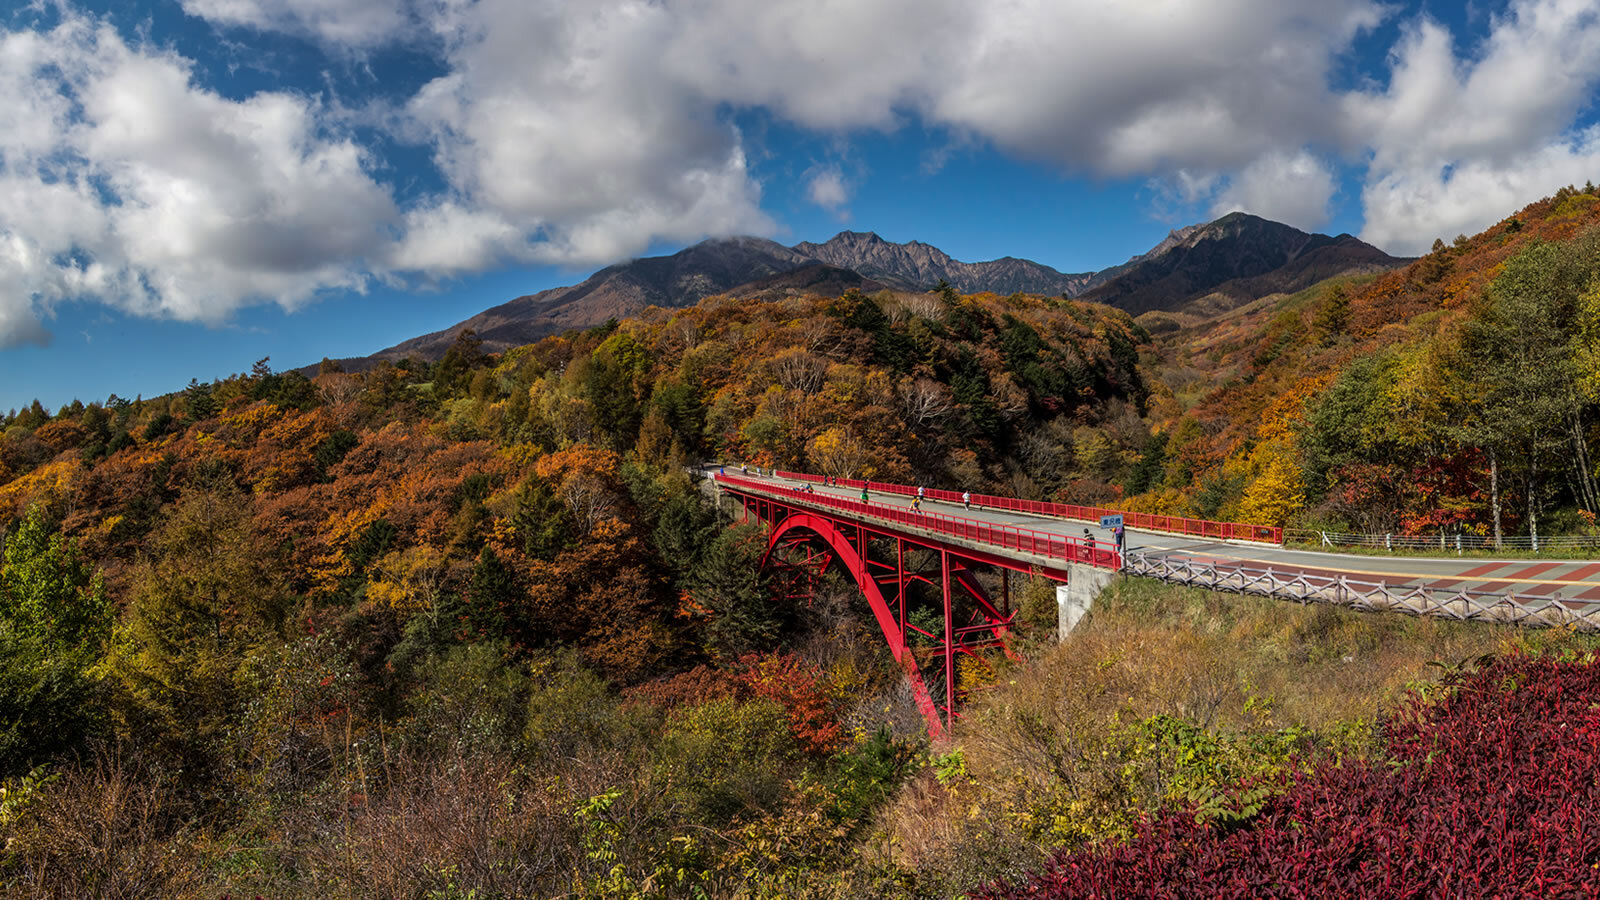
(187, 186)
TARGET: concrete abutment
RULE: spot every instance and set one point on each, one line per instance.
(1073, 599)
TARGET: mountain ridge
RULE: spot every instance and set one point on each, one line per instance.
(1240, 255)
(919, 266)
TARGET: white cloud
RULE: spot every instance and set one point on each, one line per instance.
(122, 181)
(561, 125)
(357, 24)
(1134, 88)
(1293, 188)
(585, 131)
(595, 128)
(1408, 208)
(827, 189)
(1458, 144)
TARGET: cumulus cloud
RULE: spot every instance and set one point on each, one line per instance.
(585, 132)
(1458, 143)
(1406, 209)
(1293, 188)
(594, 129)
(827, 188)
(1122, 89)
(123, 181)
(560, 124)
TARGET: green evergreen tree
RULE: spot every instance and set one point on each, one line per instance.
(745, 613)
(54, 622)
(202, 405)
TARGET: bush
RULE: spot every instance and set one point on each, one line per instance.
(109, 829)
(572, 712)
(1493, 790)
(470, 699)
(726, 758)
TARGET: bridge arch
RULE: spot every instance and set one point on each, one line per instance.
(851, 558)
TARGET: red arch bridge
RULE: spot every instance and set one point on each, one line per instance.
(957, 561)
(903, 558)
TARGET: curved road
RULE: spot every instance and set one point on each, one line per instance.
(1529, 579)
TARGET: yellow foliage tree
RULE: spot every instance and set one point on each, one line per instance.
(408, 580)
(1277, 492)
(837, 452)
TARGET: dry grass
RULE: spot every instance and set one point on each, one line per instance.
(414, 829)
(108, 829)
(418, 828)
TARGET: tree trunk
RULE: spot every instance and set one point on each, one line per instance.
(1590, 497)
(1533, 490)
(1494, 494)
(1533, 514)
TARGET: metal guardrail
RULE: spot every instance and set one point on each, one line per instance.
(1460, 605)
(1443, 542)
(1010, 537)
(1144, 521)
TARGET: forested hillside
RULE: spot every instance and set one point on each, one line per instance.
(467, 629)
(468, 624)
(1456, 394)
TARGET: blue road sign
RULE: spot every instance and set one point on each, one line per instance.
(1110, 521)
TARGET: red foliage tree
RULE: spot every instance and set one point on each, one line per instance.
(793, 683)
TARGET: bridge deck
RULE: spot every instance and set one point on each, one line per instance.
(1574, 583)
(1025, 544)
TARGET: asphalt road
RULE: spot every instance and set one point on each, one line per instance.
(1527, 578)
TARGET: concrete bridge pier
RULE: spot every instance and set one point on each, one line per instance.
(1073, 599)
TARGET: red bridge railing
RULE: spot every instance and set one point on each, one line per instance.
(1010, 537)
(1146, 521)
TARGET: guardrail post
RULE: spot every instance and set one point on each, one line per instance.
(1458, 545)
(1387, 543)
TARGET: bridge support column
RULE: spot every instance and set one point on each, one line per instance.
(1073, 599)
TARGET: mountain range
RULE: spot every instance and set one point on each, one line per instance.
(1228, 262)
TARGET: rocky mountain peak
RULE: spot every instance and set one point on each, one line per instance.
(915, 265)
(1236, 257)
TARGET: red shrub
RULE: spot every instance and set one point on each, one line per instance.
(1494, 791)
(787, 679)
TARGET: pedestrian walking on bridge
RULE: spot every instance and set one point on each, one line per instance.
(863, 493)
(966, 500)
